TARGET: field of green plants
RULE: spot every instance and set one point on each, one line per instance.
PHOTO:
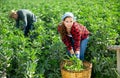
(40, 57)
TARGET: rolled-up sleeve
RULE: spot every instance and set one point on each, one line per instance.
(77, 38)
(66, 40)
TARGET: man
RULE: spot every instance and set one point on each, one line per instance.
(27, 17)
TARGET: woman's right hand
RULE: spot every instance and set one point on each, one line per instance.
(72, 51)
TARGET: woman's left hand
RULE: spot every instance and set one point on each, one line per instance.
(77, 52)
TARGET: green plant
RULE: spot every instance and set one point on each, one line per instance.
(40, 57)
(116, 72)
(74, 64)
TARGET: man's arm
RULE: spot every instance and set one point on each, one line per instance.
(24, 19)
(17, 23)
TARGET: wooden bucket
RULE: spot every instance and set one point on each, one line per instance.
(86, 73)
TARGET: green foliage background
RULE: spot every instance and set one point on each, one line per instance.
(21, 57)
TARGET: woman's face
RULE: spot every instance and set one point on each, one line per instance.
(68, 22)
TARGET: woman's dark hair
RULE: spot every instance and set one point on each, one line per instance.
(62, 27)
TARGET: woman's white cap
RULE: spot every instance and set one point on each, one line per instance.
(68, 14)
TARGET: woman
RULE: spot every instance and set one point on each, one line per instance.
(73, 35)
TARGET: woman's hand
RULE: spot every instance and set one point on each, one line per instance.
(71, 51)
(77, 53)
